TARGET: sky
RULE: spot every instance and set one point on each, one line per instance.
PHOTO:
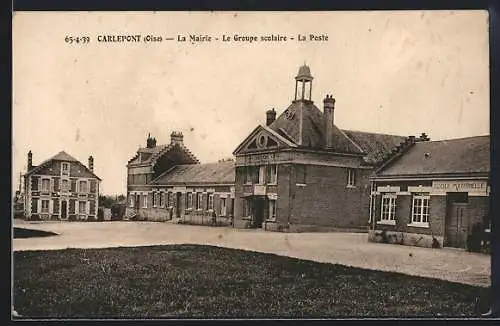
(399, 72)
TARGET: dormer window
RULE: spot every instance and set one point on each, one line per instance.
(65, 168)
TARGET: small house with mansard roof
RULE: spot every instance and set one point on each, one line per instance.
(61, 188)
(300, 171)
(433, 194)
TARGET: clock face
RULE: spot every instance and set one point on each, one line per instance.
(290, 113)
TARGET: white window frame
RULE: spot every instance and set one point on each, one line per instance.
(262, 175)
(162, 199)
(273, 176)
(85, 187)
(65, 171)
(189, 200)
(272, 210)
(210, 205)
(388, 209)
(80, 202)
(351, 177)
(47, 209)
(144, 201)
(48, 182)
(199, 200)
(155, 198)
(64, 187)
(223, 207)
(131, 200)
(249, 175)
(169, 199)
(419, 219)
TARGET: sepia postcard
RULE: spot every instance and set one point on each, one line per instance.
(251, 165)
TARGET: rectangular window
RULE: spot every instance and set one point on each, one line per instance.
(162, 199)
(45, 184)
(388, 209)
(65, 168)
(272, 174)
(65, 185)
(131, 200)
(45, 206)
(144, 201)
(199, 200)
(170, 201)
(155, 198)
(34, 184)
(189, 200)
(82, 186)
(351, 177)
(262, 174)
(210, 201)
(420, 210)
(248, 174)
(300, 174)
(272, 210)
(82, 207)
(223, 207)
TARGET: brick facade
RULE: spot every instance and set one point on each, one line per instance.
(56, 194)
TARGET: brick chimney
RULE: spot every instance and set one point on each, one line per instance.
(176, 137)
(30, 160)
(150, 142)
(328, 118)
(270, 116)
(91, 163)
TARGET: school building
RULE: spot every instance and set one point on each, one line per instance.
(432, 194)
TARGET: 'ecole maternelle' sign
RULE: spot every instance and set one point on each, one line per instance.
(474, 187)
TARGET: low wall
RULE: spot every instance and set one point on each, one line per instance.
(406, 238)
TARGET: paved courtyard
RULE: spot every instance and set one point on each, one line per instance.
(350, 249)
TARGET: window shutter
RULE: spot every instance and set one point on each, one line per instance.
(55, 205)
(72, 206)
(57, 186)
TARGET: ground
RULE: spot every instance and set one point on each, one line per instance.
(194, 281)
(350, 249)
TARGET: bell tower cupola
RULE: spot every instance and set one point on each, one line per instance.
(303, 84)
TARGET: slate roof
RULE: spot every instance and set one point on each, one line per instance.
(453, 156)
(372, 146)
(61, 156)
(375, 145)
(312, 129)
(208, 173)
(149, 155)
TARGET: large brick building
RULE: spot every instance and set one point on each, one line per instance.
(301, 172)
(433, 193)
(168, 182)
(61, 188)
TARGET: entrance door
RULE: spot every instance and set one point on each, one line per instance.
(64, 210)
(259, 211)
(178, 205)
(457, 225)
(137, 199)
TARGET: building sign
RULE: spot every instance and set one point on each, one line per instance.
(478, 188)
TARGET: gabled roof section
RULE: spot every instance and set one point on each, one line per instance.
(61, 156)
(273, 139)
(310, 131)
(194, 174)
(376, 146)
(148, 156)
(453, 156)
